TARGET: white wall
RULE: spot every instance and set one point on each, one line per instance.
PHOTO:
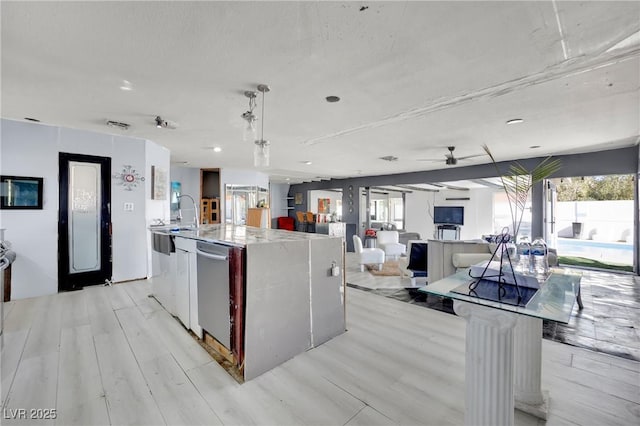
(189, 178)
(158, 156)
(418, 211)
(31, 149)
(125, 265)
(278, 201)
(478, 211)
(332, 195)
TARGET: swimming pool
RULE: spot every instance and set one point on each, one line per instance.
(621, 253)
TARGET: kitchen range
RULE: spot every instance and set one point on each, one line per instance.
(256, 296)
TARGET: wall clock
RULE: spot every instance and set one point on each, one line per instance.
(128, 177)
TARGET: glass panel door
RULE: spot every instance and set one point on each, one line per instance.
(84, 217)
(551, 198)
(239, 198)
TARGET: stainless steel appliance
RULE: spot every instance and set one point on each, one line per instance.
(214, 310)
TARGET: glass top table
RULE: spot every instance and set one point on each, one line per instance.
(553, 301)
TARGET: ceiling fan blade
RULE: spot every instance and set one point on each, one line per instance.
(469, 156)
(432, 160)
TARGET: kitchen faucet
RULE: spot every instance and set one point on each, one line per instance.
(195, 209)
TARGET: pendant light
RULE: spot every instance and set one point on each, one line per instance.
(249, 131)
(261, 149)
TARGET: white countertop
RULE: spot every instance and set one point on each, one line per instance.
(237, 235)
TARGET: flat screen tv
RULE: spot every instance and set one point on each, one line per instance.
(448, 215)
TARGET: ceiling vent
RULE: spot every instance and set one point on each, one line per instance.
(389, 158)
(118, 124)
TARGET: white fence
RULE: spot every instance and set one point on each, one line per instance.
(601, 220)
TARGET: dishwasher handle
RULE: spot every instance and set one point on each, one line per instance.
(212, 256)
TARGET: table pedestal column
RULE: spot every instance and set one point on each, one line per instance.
(489, 397)
(528, 367)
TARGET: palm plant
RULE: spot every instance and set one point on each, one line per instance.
(518, 183)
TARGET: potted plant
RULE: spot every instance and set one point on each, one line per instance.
(519, 182)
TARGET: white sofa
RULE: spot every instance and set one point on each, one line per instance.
(440, 255)
(465, 260)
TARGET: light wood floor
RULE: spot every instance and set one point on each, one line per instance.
(112, 355)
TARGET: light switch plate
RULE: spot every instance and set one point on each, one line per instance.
(128, 207)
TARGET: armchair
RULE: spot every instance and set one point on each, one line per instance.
(388, 241)
(367, 256)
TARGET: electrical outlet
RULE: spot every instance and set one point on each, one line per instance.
(335, 269)
(128, 207)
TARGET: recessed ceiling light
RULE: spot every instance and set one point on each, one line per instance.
(308, 163)
(332, 98)
(287, 179)
(217, 149)
(534, 146)
(35, 120)
(515, 121)
(126, 86)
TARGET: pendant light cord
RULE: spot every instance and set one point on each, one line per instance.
(262, 124)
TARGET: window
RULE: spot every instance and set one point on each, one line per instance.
(502, 216)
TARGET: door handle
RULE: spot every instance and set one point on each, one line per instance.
(212, 256)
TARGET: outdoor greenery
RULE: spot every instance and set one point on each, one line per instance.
(590, 263)
(595, 188)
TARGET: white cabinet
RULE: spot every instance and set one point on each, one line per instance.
(163, 280)
(186, 284)
(182, 286)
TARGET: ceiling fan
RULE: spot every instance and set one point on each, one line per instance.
(450, 159)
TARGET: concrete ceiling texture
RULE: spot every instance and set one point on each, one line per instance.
(413, 78)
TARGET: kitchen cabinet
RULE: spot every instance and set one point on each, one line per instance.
(163, 270)
(209, 210)
(186, 285)
(164, 283)
(332, 229)
(271, 294)
(182, 286)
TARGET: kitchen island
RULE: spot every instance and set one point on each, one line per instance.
(262, 296)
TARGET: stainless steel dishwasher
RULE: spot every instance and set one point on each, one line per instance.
(214, 313)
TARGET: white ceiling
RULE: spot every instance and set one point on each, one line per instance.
(414, 77)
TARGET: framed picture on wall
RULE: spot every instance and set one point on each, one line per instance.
(298, 198)
(21, 192)
(324, 205)
(158, 183)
